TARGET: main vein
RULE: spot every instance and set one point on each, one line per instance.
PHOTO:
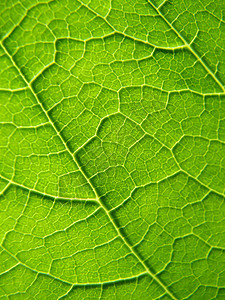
(145, 266)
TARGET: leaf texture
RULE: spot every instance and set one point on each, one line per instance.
(112, 149)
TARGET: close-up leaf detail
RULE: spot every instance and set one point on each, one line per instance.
(112, 149)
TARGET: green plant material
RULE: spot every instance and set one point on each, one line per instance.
(112, 149)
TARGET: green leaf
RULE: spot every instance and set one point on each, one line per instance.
(112, 149)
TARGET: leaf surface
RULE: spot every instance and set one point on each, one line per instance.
(112, 156)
